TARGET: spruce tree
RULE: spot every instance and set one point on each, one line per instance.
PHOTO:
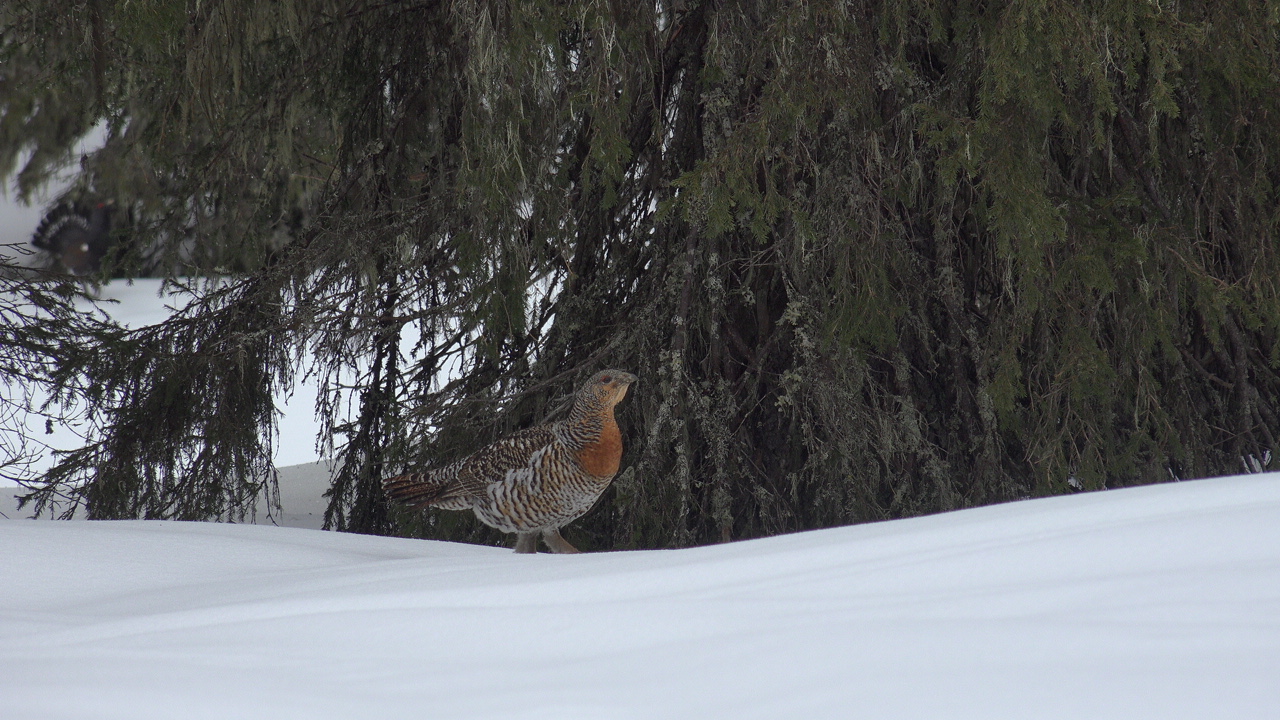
(868, 260)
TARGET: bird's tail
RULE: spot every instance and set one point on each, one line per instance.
(77, 238)
(437, 488)
(62, 215)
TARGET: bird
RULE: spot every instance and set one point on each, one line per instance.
(537, 480)
(77, 241)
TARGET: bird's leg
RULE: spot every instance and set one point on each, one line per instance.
(551, 536)
(527, 542)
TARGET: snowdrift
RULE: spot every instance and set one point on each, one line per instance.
(1157, 602)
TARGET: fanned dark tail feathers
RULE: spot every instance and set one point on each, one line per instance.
(419, 490)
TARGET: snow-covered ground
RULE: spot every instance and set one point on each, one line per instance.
(302, 500)
(1159, 602)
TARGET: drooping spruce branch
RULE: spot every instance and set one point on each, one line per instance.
(868, 262)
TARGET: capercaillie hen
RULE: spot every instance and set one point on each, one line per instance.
(535, 481)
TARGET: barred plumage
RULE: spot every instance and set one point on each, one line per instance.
(535, 481)
(74, 238)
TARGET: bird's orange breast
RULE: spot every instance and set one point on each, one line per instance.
(602, 457)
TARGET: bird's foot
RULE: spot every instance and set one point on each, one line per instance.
(527, 542)
(557, 543)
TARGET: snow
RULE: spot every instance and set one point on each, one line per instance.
(302, 500)
(1156, 602)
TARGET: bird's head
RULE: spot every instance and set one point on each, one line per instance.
(607, 387)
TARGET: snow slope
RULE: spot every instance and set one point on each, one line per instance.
(302, 500)
(1157, 602)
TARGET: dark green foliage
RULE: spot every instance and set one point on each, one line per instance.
(868, 261)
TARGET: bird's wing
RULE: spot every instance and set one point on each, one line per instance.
(492, 463)
(456, 486)
(434, 487)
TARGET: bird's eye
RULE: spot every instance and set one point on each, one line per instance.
(606, 379)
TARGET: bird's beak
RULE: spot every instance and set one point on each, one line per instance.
(622, 381)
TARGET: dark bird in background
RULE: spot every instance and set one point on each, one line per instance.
(75, 239)
(535, 481)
